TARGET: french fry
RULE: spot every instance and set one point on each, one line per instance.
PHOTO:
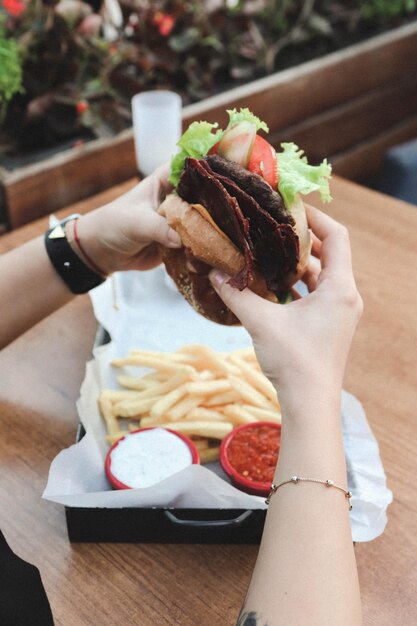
(132, 408)
(248, 393)
(194, 390)
(201, 444)
(158, 363)
(113, 438)
(158, 377)
(184, 406)
(236, 414)
(210, 454)
(203, 375)
(106, 409)
(146, 422)
(263, 415)
(247, 354)
(206, 359)
(208, 387)
(258, 380)
(166, 402)
(222, 398)
(212, 430)
(202, 414)
(174, 381)
(131, 427)
(177, 357)
(158, 390)
(138, 383)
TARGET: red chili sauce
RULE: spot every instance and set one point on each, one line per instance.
(253, 453)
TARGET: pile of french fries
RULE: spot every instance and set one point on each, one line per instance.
(194, 391)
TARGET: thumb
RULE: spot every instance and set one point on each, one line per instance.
(245, 304)
(154, 227)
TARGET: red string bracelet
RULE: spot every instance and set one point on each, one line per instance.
(84, 253)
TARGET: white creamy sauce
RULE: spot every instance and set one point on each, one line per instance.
(144, 459)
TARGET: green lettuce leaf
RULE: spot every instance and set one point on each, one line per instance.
(200, 137)
(244, 115)
(296, 176)
(195, 142)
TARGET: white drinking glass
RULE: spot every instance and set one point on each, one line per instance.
(156, 127)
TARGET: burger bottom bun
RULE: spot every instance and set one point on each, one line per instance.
(196, 287)
(205, 247)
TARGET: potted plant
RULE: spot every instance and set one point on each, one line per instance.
(76, 65)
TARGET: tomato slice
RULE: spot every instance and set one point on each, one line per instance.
(214, 149)
(263, 161)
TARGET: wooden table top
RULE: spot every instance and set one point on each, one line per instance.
(157, 585)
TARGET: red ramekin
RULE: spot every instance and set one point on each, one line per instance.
(117, 484)
(239, 481)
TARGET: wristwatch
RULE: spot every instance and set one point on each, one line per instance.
(74, 272)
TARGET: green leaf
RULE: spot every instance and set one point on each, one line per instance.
(296, 176)
(11, 75)
(195, 142)
(244, 115)
(185, 40)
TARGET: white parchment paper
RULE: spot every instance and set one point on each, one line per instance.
(145, 310)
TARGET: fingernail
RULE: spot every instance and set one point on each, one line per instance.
(217, 278)
(174, 239)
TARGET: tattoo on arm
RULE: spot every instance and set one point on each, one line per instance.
(250, 618)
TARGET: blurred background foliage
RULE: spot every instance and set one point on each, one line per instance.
(68, 68)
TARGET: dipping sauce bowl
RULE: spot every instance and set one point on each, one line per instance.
(249, 455)
(146, 456)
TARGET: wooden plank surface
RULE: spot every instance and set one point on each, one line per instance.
(381, 373)
(360, 119)
(154, 585)
(364, 159)
(43, 187)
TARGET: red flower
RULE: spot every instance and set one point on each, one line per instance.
(81, 107)
(14, 7)
(165, 23)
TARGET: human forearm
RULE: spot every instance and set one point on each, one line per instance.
(30, 289)
(306, 571)
(122, 235)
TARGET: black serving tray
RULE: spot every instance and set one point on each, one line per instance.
(152, 525)
(163, 525)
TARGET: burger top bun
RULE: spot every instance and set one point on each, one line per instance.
(205, 247)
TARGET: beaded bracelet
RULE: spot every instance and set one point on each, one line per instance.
(297, 479)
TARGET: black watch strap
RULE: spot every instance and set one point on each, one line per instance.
(73, 271)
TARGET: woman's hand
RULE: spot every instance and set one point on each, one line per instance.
(305, 344)
(123, 235)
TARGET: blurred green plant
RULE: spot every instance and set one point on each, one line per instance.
(386, 8)
(67, 71)
(11, 74)
(56, 81)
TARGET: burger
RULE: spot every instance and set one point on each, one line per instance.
(236, 204)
